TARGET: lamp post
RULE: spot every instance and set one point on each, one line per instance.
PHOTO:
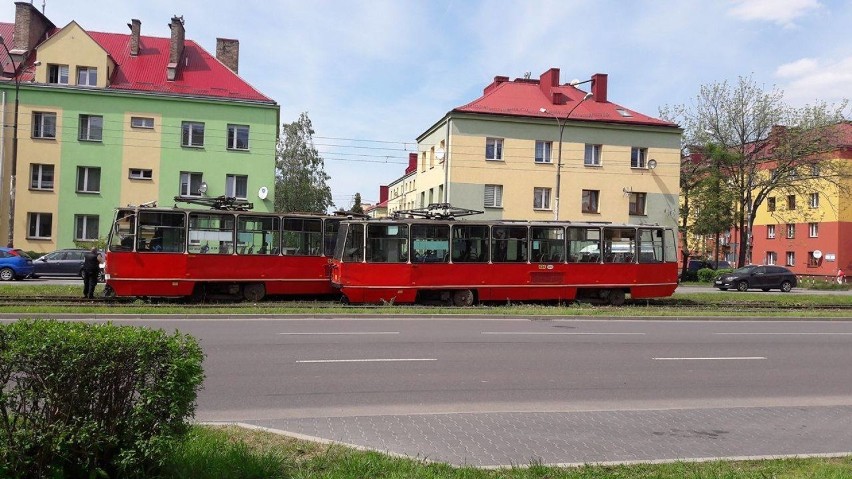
(14, 169)
(561, 122)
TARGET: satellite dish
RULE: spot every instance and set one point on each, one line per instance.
(439, 153)
(202, 188)
(263, 192)
(817, 254)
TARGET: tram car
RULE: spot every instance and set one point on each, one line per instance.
(435, 258)
(226, 252)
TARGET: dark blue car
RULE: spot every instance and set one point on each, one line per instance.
(14, 264)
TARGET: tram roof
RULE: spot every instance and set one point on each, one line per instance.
(428, 221)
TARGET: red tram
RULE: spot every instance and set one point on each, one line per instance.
(198, 254)
(462, 262)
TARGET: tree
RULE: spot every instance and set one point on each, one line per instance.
(356, 206)
(716, 197)
(300, 177)
(764, 134)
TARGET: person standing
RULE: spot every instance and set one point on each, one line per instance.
(91, 267)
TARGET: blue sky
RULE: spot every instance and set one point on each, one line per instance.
(373, 75)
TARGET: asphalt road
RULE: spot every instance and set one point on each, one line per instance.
(503, 391)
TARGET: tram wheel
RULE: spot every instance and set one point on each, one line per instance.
(463, 297)
(254, 292)
(616, 297)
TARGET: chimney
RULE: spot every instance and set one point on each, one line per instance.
(412, 163)
(599, 87)
(228, 52)
(175, 46)
(497, 81)
(383, 194)
(135, 27)
(30, 28)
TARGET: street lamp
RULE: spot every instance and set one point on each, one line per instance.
(561, 122)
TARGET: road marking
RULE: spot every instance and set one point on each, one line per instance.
(364, 360)
(562, 334)
(354, 333)
(693, 359)
(785, 334)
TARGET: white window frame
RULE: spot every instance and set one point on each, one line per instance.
(62, 74)
(814, 200)
(813, 230)
(593, 195)
(34, 225)
(81, 222)
(83, 174)
(543, 152)
(39, 122)
(140, 174)
(232, 184)
(791, 230)
(185, 187)
(88, 132)
(496, 196)
(40, 181)
(541, 196)
(87, 76)
(496, 146)
(188, 131)
(771, 258)
(638, 157)
(770, 231)
(791, 258)
(592, 155)
(142, 122)
(233, 137)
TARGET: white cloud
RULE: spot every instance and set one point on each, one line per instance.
(782, 12)
(804, 66)
(809, 80)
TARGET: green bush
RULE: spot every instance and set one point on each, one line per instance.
(84, 400)
(706, 275)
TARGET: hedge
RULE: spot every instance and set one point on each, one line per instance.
(92, 400)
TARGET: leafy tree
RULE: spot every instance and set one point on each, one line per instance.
(356, 207)
(300, 177)
(716, 197)
(765, 134)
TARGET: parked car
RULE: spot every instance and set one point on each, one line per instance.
(14, 264)
(757, 277)
(63, 262)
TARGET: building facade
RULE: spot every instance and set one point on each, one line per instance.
(108, 119)
(501, 154)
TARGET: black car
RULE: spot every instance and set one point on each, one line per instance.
(757, 277)
(63, 262)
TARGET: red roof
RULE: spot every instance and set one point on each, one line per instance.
(198, 74)
(526, 97)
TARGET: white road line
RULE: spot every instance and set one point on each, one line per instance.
(784, 334)
(364, 360)
(560, 334)
(354, 333)
(694, 359)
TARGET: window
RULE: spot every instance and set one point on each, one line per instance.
(210, 233)
(260, 233)
(44, 124)
(429, 244)
(619, 245)
(813, 230)
(470, 244)
(141, 122)
(814, 200)
(41, 177)
(815, 170)
(813, 261)
(590, 201)
(88, 179)
(87, 76)
(165, 232)
(140, 174)
(494, 196)
(637, 204)
(91, 128)
(302, 237)
(236, 186)
(541, 198)
(770, 203)
(39, 225)
(637, 157)
(771, 257)
(548, 244)
(592, 156)
(791, 258)
(651, 246)
(57, 74)
(388, 243)
(509, 244)
(770, 231)
(773, 174)
(85, 227)
(238, 137)
(193, 134)
(543, 151)
(584, 245)
(190, 183)
(791, 230)
(791, 202)
(494, 149)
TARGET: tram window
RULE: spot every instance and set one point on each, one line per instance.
(258, 235)
(584, 245)
(470, 244)
(670, 249)
(331, 228)
(650, 245)
(509, 244)
(211, 233)
(548, 244)
(350, 245)
(430, 243)
(302, 237)
(387, 243)
(619, 245)
(161, 231)
(121, 237)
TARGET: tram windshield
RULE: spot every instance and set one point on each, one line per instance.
(123, 232)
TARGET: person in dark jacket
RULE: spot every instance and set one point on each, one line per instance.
(91, 267)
